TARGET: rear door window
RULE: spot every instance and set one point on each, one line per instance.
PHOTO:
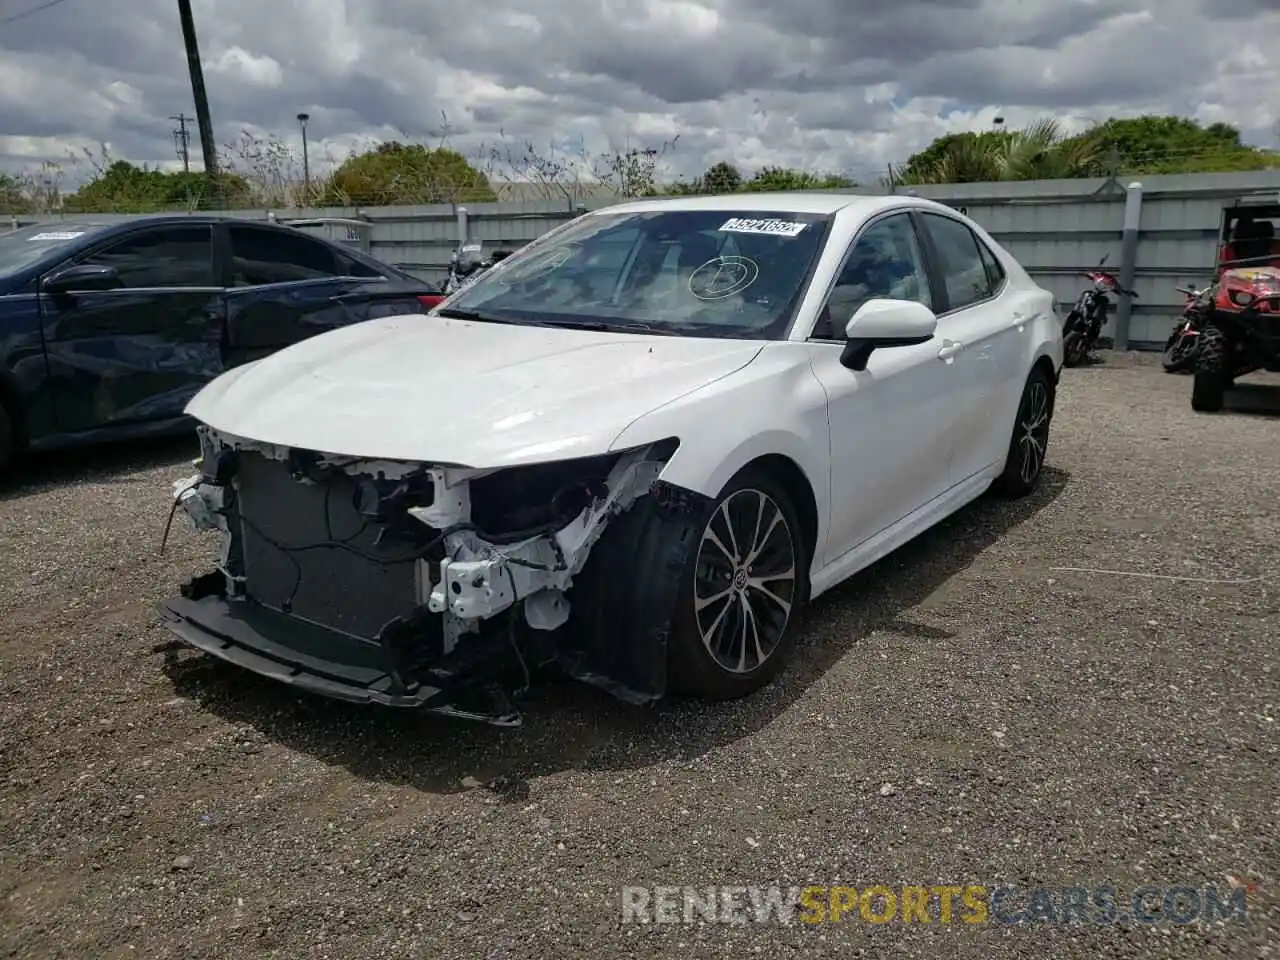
(964, 272)
(260, 255)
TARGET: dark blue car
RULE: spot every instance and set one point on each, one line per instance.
(108, 329)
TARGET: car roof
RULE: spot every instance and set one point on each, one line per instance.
(193, 218)
(796, 201)
(92, 223)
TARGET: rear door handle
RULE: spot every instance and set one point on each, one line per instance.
(949, 349)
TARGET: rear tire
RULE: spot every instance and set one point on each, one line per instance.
(1212, 371)
(1073, 349)
(1029, 444)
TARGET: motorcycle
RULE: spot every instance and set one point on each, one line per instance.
(466, 266)
(1084, 323)
(1180, 349)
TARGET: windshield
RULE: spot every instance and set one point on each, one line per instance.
(719, 273)
(22, 247)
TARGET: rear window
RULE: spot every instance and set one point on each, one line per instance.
(21, 248)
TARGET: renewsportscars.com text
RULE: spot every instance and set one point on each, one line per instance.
(972, 904)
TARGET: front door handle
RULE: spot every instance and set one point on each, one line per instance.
(949, 349)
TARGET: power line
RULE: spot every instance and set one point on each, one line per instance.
(27, 13)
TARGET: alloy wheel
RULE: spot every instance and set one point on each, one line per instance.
(745, 580)
(1033, 430)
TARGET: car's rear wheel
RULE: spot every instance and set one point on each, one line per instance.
(1029, 444)
(1212, 371)
(742, 593)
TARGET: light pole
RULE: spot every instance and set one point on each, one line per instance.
(306, 160)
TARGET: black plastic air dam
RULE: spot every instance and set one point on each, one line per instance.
(293, 651)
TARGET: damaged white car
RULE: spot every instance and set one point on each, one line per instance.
(636, 448)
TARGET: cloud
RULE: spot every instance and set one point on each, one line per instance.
(847, 85)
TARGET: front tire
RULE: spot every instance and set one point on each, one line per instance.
(1030, 441)
(1212, 371)
(744, 587)
(1180, 351)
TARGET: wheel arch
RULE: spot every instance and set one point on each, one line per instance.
(791, 477)
(1044, 363)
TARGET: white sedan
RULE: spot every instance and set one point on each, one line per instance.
(636, 448)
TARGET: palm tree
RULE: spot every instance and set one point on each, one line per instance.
(1038, 152)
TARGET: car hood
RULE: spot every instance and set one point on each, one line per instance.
(458, 392)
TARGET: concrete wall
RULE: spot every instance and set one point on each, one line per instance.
(1056, 228)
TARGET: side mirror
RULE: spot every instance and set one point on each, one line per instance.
(83, 277)
(881, 323)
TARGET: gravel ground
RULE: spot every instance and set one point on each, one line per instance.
(965, 712)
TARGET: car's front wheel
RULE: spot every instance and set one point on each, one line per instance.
(743, 590)
(1030, 442)
(694, 596)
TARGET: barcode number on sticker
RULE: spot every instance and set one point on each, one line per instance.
(777, 228)
(57, 235)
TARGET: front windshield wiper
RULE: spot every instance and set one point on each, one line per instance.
(613, 326)
(457, 313)
(603, 326)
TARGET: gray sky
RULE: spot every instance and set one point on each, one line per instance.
(843, 85)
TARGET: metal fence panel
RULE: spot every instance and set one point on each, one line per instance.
(1055, 228)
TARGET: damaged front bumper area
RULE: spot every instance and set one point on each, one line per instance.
(404, 584)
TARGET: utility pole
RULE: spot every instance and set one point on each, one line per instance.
(182, 138)
(306, 160)
(207, 146)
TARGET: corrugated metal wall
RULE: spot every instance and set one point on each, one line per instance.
(1056, 228)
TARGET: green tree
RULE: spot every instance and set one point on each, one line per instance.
(772, 179)
(722, 178)
(1156, 144)
(1037, 152)
(406, 173)
(1041, 151)
(121, 187)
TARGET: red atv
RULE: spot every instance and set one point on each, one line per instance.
(1240, 322)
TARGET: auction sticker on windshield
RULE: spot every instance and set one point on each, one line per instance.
(777, 228)
(57, 235)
